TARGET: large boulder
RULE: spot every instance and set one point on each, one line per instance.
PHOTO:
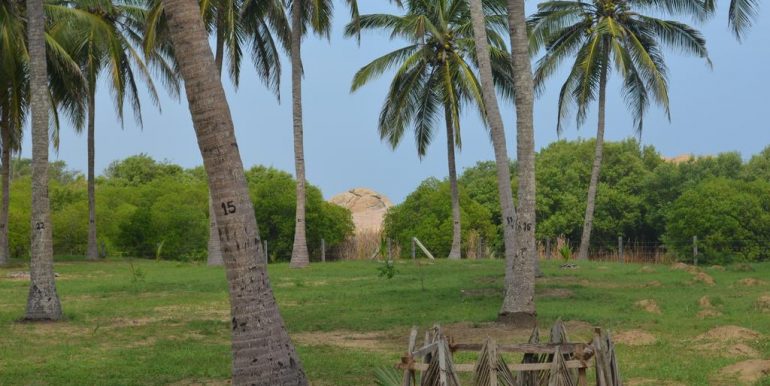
(367, 206)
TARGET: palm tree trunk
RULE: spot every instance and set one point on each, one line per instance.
(43, 301)
(299, 254)
(588, 222)
(92, 253)
(214, 247)
(456, 252)
(519, 302)
(262, 350)
(5, 127)
(495, 119)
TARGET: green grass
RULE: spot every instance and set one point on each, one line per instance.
(171, 325)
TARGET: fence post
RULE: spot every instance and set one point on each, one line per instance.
(620, 249)
(323, 250)
(414, 251)
(390, 250)
(548, 254)
(695, 249)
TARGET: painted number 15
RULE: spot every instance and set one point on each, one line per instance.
(228, 207)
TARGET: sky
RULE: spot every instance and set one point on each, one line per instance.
(714, 110)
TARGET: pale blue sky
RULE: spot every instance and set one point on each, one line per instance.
(713, 110)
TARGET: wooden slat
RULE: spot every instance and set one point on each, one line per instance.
(526, 348)
(425, 350)
(469, 367)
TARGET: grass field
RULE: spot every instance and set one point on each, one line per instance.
(166, 322)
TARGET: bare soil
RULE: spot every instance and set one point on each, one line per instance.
(746, 373)
(729, 334)
(649, 305)
(751, 282)
(704, 278)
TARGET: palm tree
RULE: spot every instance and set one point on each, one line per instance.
(599, 34)
(262, 350)
(435, 72)
(256, 26)
(43, 301)
(740, 15)
(107, 36)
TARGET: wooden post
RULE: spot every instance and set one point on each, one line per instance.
(422, 247)
(414, 250)
(548, 248)
(492, 362)
(267, 260)
(323, 250)
(621, 257)
(695, 249)
(409, 374)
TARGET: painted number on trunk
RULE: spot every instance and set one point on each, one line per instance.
(40, 226)
(228, 207)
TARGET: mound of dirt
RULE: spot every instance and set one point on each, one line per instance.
(685, 267)
(705, 302)
(718, 268)
(648, 305)
(729, 334)
(704, 278)
(634, 338)
(747, 372)
(763, 303)
(751, 282)
(647, 269)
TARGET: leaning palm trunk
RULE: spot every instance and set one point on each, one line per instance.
(508, 211)
(43, 301)
(519, 302)
(588, 222)
(299, 253)
(262, 351)
(92, 252)
(214, 248)
(456, 252)
(5, 132)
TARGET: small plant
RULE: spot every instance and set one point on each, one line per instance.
(137, 274)
(388, 270)
(386, 376)
(565, 252)
(158, 250)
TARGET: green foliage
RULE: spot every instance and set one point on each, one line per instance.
(730, 218)
(426, 214)
(565, 252)
(388, 270)
(158, 210)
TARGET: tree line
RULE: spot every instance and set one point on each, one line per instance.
(69, 43)
(643, 197)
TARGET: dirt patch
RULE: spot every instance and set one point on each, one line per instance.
(729, 334)
(371, 341)
(707, 309)
(747, 372)
(685, 267)
(654, 283)
(480, 292)
(751, 282)
(49, 329)
(704, 278)
(650, 382)
(218, 311)
(718, 268)
(647, 269)
(705, 302)
(132, 322)
(559, 293)
(648, 305)
(763, 303)
(634, 338)
(22, 276)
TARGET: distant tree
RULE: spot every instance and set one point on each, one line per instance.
(758, 167)
(599, 34)
(435, 73)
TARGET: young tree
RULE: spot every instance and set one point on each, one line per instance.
(435, 72)
(262, 350)
(602, 33)
(42, 301)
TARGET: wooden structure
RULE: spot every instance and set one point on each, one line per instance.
(557, 363)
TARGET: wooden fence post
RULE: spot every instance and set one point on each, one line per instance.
(548, 254)
(323, 250)
(620, 249)
(414, 250)
(695, 249)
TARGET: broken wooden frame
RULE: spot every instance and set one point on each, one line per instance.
(550, 364)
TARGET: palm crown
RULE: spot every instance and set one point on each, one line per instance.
(436, 69)
(601, 33)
